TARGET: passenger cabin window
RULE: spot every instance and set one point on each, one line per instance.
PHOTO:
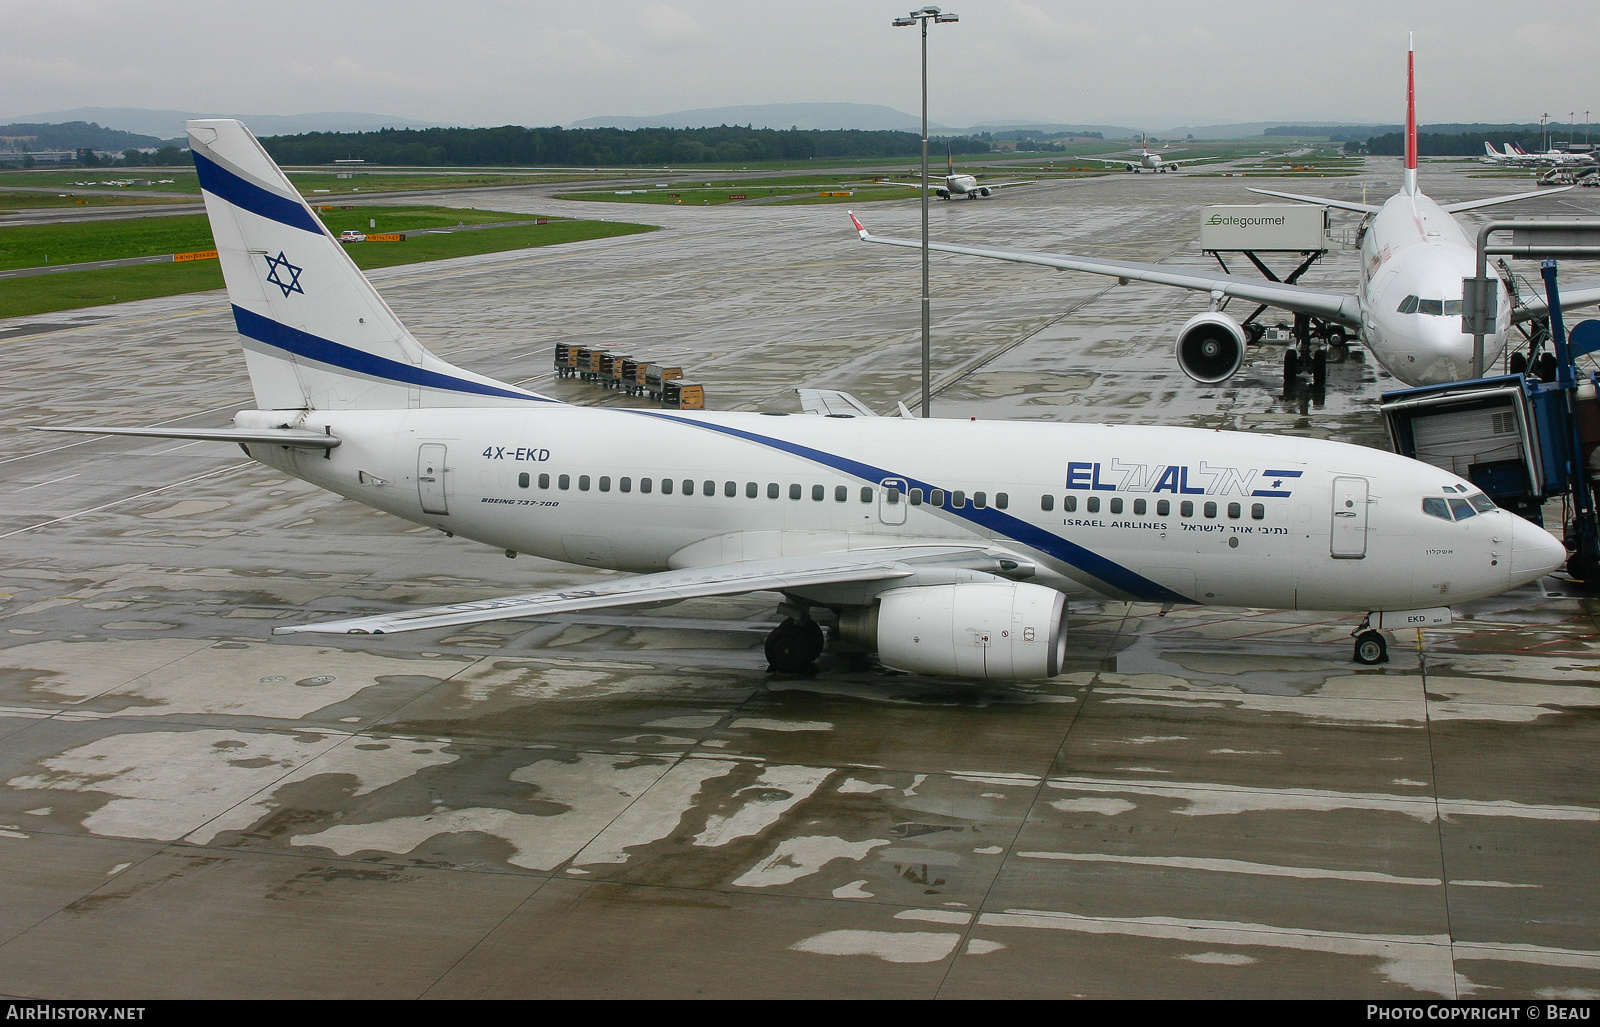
(1092, 504)
(916, 497)
(1235, 511)
(730, 489)
(773, 490)
(958, 500)
(1211, 509)
(794, 491)
(751, 490)
(866, 494)
(1116, 506)
(1258, 511)
(522, 480)
(709, 487)
(1186, 509)
(818, 493)
(624, 484)
(1163, 508)
(980, 500)
(1138, 507)
(644, 484)
(937, 498)
(891, 495)
(564, 482)
(841, 493)
(544, 481)
(1047, 502)
(1069, 503)
(666, 486)
(1001, 500)
(605, 483)
(583, 483)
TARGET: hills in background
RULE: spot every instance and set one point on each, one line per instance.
(168, 125)
(119, 128)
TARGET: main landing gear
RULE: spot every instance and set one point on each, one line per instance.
(794, 645)
(1371, 647)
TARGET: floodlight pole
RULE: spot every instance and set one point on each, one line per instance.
(924, 16)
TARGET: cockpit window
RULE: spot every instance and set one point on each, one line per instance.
(1438, 308)
(1457, 509)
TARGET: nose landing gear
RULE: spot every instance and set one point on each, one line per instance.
(1371, 647)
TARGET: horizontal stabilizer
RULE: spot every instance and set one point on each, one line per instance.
(776, 575)
(274, 436)
(829, 402)
(1323, 201)
(1456, 208)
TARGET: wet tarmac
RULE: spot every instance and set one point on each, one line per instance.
(1208, 803)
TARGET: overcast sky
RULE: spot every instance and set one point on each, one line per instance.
(1154, 64)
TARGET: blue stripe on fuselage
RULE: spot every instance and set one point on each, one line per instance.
(219, 181)
(1031, 535)
(314, 347)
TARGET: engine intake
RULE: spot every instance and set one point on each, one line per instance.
(1004, 630)
(1210, 347)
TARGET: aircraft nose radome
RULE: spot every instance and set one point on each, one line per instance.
(1534, 552)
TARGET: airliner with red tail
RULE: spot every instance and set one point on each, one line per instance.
(1406, 310)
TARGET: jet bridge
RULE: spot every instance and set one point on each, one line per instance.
(1274, 229)
(1521, 440)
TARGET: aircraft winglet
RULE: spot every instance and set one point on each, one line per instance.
(857, 222)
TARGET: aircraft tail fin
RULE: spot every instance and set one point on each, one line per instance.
(1411, 117)
(316, 333)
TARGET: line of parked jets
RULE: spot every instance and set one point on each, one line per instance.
(946, 547)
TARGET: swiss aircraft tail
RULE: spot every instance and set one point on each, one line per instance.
(316, 333)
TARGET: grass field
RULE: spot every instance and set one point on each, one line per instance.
(36, 245)
(44, 293)
(310, 183)
(29, 201)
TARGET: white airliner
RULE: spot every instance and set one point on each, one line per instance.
(1407, 307)
(1147, 160)
(961, 184)
(948, 547)
(1558, 158)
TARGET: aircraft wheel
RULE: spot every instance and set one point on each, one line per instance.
(1371, 648)
(793, 646)
(1319, 368)
(1337, 337)
(1291, 368)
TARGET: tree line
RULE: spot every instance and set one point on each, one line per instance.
(1464, 144)
(514, 145)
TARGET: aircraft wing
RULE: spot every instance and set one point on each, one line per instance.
(1323, 201)
(1573, 297)
(667, 586)
(833, 404)
(1453, 208)
(1340, 307)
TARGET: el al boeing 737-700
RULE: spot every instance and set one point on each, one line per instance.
(1406, 311)
(947, 547)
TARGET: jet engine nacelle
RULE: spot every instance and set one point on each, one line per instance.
(1004, 630)
(983, 190)
(1210, 347)
(942, 193)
